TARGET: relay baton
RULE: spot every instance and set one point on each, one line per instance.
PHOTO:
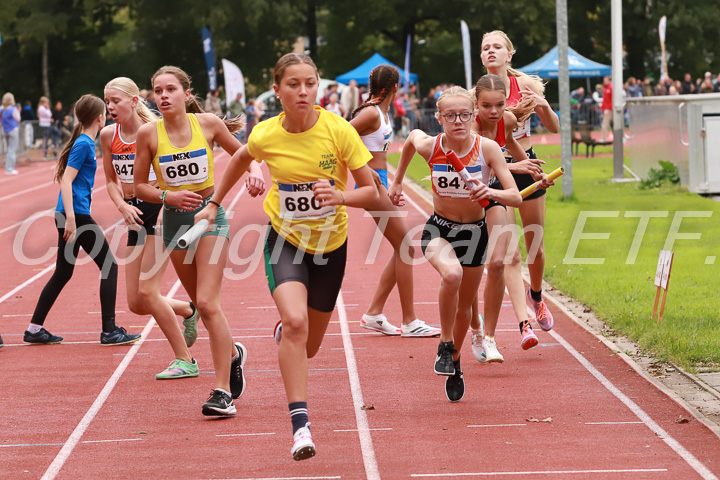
(534, 187)
(193, 234)
(464, 174)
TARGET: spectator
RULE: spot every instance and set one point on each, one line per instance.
(577, 97)
(58, 114)
(399, 113)
(350, 98)
(259, 110)
(678, 86)
(635, 90)
(334, 107)
(672, 90)
(687, 86)
(660, 88)
(237, 106)
(326, 98)
(212, 103)
(150, 102)
(647, 87)
(706, 86)
(27, 114)
(716, 83)
(606, 107)
(10, 119)
(250, 114)
(428, 102)
(46, 127)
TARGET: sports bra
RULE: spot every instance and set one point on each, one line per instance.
(379, 140)
(123, 158)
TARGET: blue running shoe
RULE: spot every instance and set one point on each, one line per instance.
(43, 337)
(119, 336)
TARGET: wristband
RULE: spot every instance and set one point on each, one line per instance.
(343, 196)
(215, 203)
(163, 195)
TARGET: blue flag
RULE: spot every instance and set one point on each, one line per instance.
(209, 59)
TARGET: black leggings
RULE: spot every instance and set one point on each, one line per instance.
(90, 237)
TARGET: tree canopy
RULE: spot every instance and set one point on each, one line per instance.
(68, 48)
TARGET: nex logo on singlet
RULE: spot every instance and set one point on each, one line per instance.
(181, 156)
(328, 162)
(125, 156)
(302, 187)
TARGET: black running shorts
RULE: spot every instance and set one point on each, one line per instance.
(322, 274)
(469, 240)
(149, 218)
(522, 180)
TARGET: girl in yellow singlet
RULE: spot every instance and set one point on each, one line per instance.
(180, 149)
(309, 152)
(144, 270)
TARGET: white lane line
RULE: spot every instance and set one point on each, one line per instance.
(499, 425)
(80, 429)
(644, 417)
(244, 434)
(286, 478)
(371, 467)
(115, 440)
(696, 464)
(541, 472)
(27, 190)
(355, 429)
(613, 423)
(43, 272)
(49, 213)
(26, 173)
(75, 436)
(43, 213)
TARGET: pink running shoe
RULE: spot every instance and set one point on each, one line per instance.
(528, 338)
(542, 313)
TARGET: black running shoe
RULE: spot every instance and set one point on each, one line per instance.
(237, 377)
(119, 336)
(444, 361)
(1, 343)
(455, 385)
(43, 337)
(218, 404)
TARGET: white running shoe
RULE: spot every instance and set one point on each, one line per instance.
(379, 323)
(491, 352)
(277, 333)
(303, 446)
(477, 348)
(418, 328)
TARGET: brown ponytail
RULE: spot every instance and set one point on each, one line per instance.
(87, 110)
(383, 79)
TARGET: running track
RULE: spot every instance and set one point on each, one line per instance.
(79, 410)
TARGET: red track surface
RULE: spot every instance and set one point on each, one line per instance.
(143, 428)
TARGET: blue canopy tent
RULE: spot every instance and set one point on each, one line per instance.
(361, 73)
(580, 67)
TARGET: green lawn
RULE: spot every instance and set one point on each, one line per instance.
(622, 293)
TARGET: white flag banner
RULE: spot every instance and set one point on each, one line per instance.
(661, 31)
(466, 53)
(406, 80)
(234, 82)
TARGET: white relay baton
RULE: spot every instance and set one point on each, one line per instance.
(193, 234)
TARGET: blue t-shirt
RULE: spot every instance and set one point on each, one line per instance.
(82, 158)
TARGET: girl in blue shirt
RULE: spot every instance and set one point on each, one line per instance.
(76, 228)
